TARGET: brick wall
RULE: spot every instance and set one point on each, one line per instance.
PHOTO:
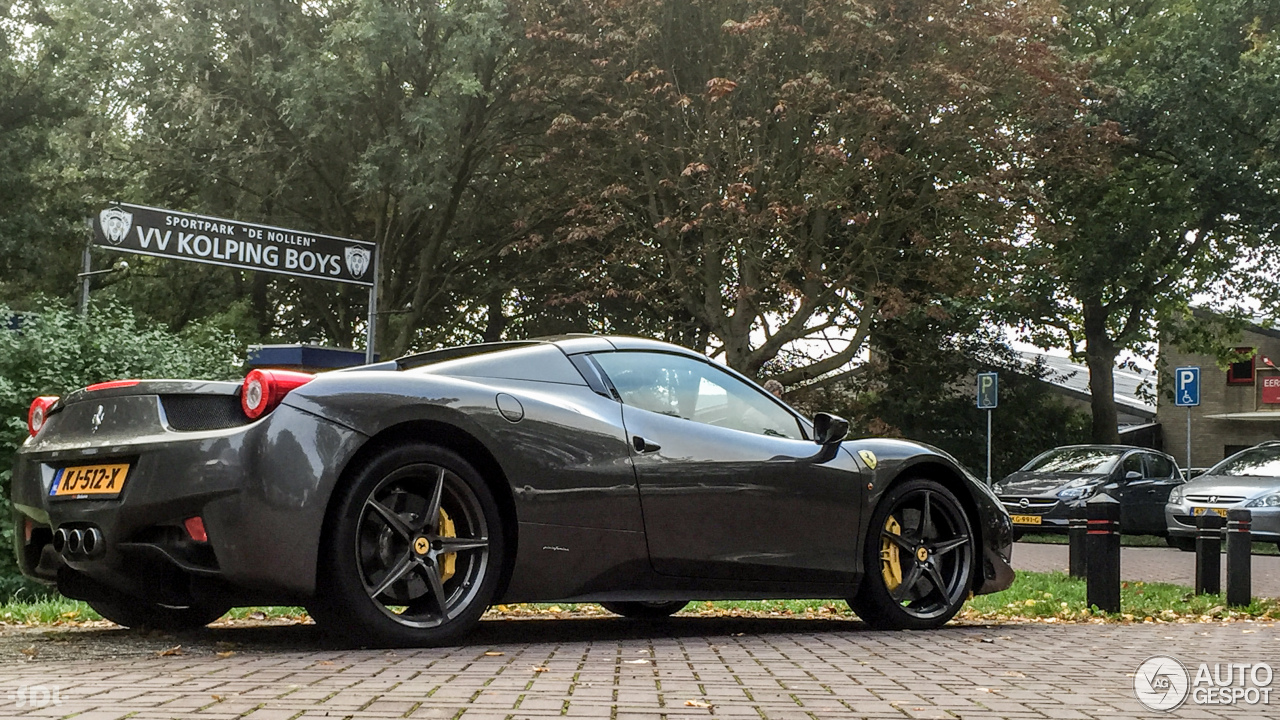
(1210, 437)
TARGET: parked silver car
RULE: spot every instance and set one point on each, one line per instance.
(1249, 479)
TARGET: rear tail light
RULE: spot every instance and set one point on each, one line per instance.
(39, 412)
(195, 528)
(264, 389)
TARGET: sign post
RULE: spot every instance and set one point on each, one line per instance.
(988, 399)
(247, 246)
(1186, 393)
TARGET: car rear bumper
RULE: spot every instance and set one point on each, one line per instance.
(260, 490)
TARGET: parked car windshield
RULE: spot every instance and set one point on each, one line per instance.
(1256, 462)
(1086, 461)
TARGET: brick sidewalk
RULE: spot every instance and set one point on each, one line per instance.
(606, 668)
(1150, 564)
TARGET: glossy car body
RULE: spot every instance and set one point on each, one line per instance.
(600, 500)
(1249, 479)
(1042, 495)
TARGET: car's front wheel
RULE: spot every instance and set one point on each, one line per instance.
(413, 550)
(142, 615)
(919, 558)
(645, 610)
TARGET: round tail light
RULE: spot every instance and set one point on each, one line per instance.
(39, 412)
(264, 389)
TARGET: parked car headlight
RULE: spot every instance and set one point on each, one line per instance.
(1272, 500)
(1078, 493)
(1175, 495)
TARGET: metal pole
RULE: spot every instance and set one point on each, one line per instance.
(1188, 442)
(371, 334)
(84, 282)
(988, 447)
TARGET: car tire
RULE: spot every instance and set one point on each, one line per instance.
(1185, 544)
(395, 573)
(923, 523)
(645, 610)
(143, 615)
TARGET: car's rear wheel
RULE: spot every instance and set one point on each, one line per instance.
(142, 615)
(645, 610)
(919, 559)
(1185, 544)
(413, 551)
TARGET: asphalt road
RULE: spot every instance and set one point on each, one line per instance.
(688, 667)
(1150, 564)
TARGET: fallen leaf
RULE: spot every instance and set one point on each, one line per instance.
(493, 653)
(697, 703)
(257, 615)
(541, 669)
(226, 653)
(169, 652)
(325, 662)
(218, 698)
(29, 651)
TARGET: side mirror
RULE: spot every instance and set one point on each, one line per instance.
(1132, 475)
(829, 429)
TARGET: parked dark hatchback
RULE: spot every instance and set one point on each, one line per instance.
(1040, 496)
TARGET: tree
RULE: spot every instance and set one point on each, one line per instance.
(768, 177)
(1183, 198)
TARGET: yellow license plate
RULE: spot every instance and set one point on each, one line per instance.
(1206, 511)
(83, 480)
(1025, 519)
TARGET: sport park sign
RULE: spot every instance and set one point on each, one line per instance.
(216, 241)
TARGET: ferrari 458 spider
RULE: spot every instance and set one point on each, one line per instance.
(397, 501)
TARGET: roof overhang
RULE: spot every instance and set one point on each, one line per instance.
(1257, 416)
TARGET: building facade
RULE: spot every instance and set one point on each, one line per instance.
(1239, 407)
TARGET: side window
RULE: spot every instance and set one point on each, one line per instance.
(694, 390)
(1133, 463)
(1159, 466)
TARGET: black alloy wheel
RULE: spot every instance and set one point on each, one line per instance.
(414, 551)
(920, 557)
(638, 610)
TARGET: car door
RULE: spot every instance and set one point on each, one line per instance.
(1151, 494)
(728, 483)
(1142, 502)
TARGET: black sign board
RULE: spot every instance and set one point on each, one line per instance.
(183, 236)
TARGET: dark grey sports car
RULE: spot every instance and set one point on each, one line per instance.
(397, 501)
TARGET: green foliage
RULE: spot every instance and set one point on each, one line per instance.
(51, 350)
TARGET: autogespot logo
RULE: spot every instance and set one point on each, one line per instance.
(1161, 683)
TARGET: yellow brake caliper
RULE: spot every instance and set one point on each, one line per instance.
(448, 564)
(890, 566)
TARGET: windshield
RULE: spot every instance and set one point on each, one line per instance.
(1256, 462)
(1087, 461)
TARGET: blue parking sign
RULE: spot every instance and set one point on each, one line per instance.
(1186, 386)
(988, 391)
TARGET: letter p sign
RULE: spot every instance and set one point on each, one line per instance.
(988, 391)
(1186, 387)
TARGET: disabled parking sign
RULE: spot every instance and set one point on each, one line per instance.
(1186, 387)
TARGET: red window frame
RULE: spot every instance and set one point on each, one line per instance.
(1234, 376)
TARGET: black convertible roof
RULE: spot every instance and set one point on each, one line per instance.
(571, 344)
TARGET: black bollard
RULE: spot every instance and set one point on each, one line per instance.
(1239, 557)
(1208, 553)
(1077, 531)
(1103, 544)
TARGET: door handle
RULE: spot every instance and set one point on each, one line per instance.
(643, 446)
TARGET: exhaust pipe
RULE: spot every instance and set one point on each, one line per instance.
(75, 541)
(59, 540)
(92, 542)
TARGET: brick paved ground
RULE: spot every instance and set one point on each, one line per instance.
(762, 669)
(1151, 564)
